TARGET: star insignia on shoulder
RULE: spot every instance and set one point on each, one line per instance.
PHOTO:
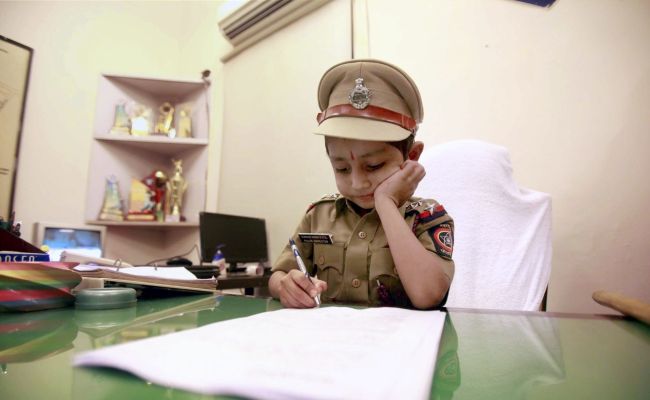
(414, 205)
(332, 196)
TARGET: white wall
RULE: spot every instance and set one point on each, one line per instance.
(74, 42)
(567, 90)
(273, 167)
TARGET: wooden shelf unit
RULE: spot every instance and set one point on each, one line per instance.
(133, 157)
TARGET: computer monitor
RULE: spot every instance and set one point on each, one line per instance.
(82, 239)
(243, 238)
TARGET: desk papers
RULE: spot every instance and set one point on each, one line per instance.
(173, 278)
(322, 353)
(146, 271)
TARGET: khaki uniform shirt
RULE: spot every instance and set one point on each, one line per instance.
(358, 266)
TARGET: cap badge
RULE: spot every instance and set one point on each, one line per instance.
(360, 95)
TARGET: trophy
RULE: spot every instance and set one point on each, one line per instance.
(140, 115)
(176, 187)
(184, 124)
(165, 118)
(112, 207)
(122, 123)
(141, 204)
(156, 182)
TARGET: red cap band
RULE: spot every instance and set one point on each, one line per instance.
(371, 112)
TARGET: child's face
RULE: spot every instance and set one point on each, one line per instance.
(360, 166)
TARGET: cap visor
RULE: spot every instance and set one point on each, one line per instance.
(362, 129)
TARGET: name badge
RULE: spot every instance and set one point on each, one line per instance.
(321, 238)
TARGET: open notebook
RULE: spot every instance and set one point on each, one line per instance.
(174, 278)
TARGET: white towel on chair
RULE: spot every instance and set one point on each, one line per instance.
(502, 238)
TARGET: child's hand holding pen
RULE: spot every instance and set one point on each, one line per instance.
(297, 288)
(297, 291)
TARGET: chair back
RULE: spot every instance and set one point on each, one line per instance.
(502, 239)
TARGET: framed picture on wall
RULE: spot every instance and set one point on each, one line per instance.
(15, 65)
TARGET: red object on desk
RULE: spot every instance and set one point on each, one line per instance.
(10, 242)
(36, 286)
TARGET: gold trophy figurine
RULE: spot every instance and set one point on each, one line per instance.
(176, 187)
(165, 117)
(185, 124)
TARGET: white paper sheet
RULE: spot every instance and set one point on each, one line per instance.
(323, 353)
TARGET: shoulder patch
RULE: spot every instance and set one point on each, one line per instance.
(326, 198)
(443, 239)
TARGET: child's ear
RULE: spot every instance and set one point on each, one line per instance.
(416, 151)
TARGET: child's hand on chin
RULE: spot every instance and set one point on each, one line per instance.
(400, 186)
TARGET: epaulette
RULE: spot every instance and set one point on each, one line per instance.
(425, 205)
(414, 205)
(425, 210)
(327, 197)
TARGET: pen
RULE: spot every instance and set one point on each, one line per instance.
(301, 265)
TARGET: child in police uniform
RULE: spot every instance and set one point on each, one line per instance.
(373, 243)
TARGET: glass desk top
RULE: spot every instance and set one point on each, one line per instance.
(483, 354)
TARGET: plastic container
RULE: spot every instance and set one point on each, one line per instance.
(105, 298)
